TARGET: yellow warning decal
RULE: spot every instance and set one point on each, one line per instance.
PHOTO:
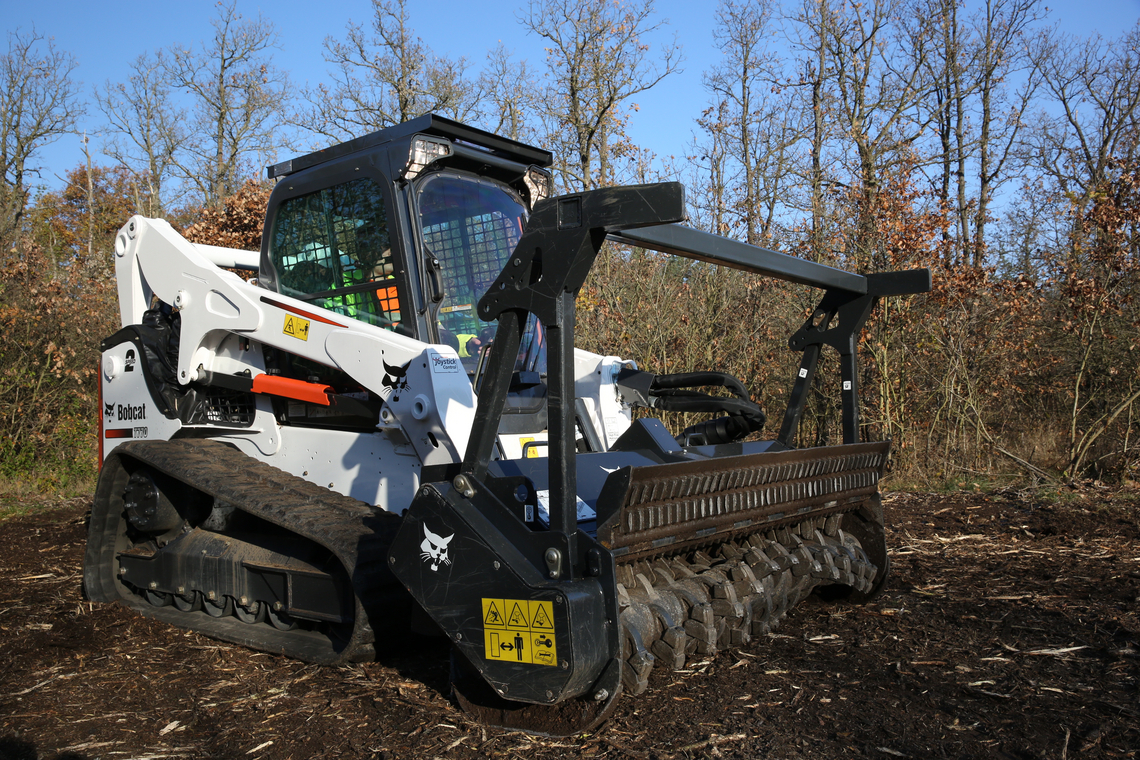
(296, 327)
(519, 630)
(532, 452)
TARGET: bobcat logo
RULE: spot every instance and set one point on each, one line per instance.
(108, 410)
(434, 549)
(398, 380)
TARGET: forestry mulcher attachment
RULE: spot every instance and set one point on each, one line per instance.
(391, 424)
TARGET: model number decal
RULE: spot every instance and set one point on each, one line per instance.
(131, 432)
(296, 327)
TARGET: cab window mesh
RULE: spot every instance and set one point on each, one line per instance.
(332, 248)
(471, 226)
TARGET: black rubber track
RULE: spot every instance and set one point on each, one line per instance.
(357, 534)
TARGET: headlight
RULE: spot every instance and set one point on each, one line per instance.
(539, 184)
(424, 151)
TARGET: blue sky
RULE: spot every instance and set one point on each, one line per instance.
(106, 37)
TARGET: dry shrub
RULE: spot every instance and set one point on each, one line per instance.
(237, 222)
(51, 322)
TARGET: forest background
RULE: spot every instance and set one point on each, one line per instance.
(978, 139)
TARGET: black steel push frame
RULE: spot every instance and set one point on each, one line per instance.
(563, 237)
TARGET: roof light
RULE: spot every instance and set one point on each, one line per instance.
(424, 151)
(539, 184)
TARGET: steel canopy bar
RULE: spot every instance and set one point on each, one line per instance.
(714, 249)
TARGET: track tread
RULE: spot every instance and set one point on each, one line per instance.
(357, 534)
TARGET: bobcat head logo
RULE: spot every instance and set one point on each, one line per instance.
(395, 377)
(108, 410)
(434, 549)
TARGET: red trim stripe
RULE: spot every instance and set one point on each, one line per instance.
(119, 433)
(300, 312)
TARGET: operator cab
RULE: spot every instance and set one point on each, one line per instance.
(406, 229)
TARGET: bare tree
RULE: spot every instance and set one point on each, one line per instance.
(39, 103)
(708, 184)
(752, 116)
(1095, 85)
(148, 130)
(239, 99)
(970, 67)
(596, 61)
(1002, 25)
(509, 95)
(878, 53)
(812, 78)
(384, 79)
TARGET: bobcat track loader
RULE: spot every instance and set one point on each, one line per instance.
(392, 423)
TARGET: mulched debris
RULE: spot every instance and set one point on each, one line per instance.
(1010, 628)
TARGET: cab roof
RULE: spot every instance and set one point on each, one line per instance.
(431, 124)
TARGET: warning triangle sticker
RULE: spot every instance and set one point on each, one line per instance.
(542, 620)
(493, 617)
(288, 326)
(518, 618)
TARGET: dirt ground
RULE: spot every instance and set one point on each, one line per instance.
(1010, 629)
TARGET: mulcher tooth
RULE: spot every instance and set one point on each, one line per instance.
(831, 572)
(801, 589)
(670, 649)
(831, 524)
(777, 599)
(663, 571)
(744, 579)
(638, 660)
(731, 615)
(700, 624)
(762, 565)
(681, 571)
(670, 644)
(807, 557)
(730, 551)
(787, 560)
(701, 560)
